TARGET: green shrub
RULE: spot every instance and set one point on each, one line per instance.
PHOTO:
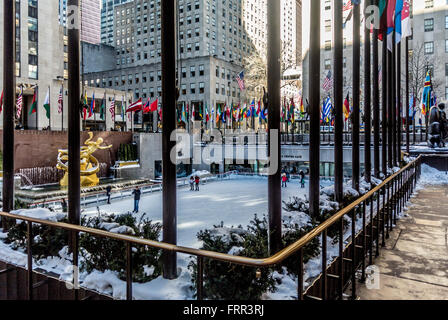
(105, 254)
(225, 281)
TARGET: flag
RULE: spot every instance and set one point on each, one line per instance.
(398, 18)
(151, 107)
(240, 80)
(380, 75)
(102, 107)
(406, 20)
(34, 103)
(136, 106)
(390, 22)
(184, 115)
(160, 112)
(347, 6)
(347, 107)
(47, 104)
(84, 105)
(19, 103)
(123, 108)
(328, 84)
(193, 115)
(61, 100)
(426, 95)
(1, 102)
(326, 111)
(112, 109)
(302, 108)
(207, 117)
(92, 105)
(252, 108)
(347, 19)
(292, 110)
(383, 18)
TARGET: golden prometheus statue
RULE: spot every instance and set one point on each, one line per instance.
(88, 163)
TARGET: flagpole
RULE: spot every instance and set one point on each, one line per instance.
(37, 106)
(356, 99)
(407, 94)
(49, 112)
(367, 101)
(375, 101)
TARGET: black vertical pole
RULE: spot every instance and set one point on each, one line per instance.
(314, 108)
(338, 96)
(74, 181)
(394, 100)
(356, 100)
(384, 105)
(376, 102)
(389, 107)
(273, 76)
(169, 98)
(367, 100)
(399, 100)
(9, 87)
(407, 95)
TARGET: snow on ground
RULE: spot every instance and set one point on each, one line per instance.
(432, 176)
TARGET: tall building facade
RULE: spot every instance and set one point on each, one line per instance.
(90, 19)
(107, 20)
(213, 38)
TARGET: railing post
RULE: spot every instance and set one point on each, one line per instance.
(128, 271)
(378, 218)
(200, 278)
(356, 94)
(300, 276)
(364, 243)
(341, 259)
(353, 273)
(371, 230)
(324, 265)
(29, 252)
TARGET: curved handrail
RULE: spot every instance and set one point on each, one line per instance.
(260, 262)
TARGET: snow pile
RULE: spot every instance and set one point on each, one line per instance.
(200, 174)
(432, 176)
(40, 213)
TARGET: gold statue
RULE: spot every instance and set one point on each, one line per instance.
(89, 164)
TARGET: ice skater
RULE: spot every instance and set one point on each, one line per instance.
(137, 192)
(196, 181)
(284, 180)
(191, 183)
(302, 179)
(108, 190)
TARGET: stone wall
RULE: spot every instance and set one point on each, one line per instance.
(35, 149)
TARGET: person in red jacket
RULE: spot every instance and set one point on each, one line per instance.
(196, 181)
(284, 179)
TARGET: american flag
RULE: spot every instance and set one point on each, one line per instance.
(60, 101)
(112, 109)
(240, 79)
(328, 84)
(19, 104)
(380, 75)
(347, 6)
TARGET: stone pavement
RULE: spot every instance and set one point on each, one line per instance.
(414, 263)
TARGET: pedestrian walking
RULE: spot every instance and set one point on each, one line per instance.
(137, 192)
(284, 180)
(302, 179)
(108, 190)
(196, 181)
(288, 175)
(191, 183)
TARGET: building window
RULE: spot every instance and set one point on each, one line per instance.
(429, 47)
(327, 45)
(429, 4)
(201, 87)
(327, 64)
(192, 88)
(201, 70)
(446, 46)
(429, 24)
(446, 93)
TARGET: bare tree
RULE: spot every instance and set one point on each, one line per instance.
(255, 66)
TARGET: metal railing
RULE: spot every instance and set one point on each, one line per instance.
(390, 196)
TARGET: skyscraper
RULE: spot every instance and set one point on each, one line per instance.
(90, 19)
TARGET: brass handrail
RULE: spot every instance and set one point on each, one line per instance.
(260, 262)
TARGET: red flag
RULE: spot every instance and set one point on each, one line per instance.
(136, 106)
(152, 107)
(1, 102)
(160, 113)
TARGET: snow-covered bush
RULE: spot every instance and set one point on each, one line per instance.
(47, 241)
(106, 254)
(225, 281)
